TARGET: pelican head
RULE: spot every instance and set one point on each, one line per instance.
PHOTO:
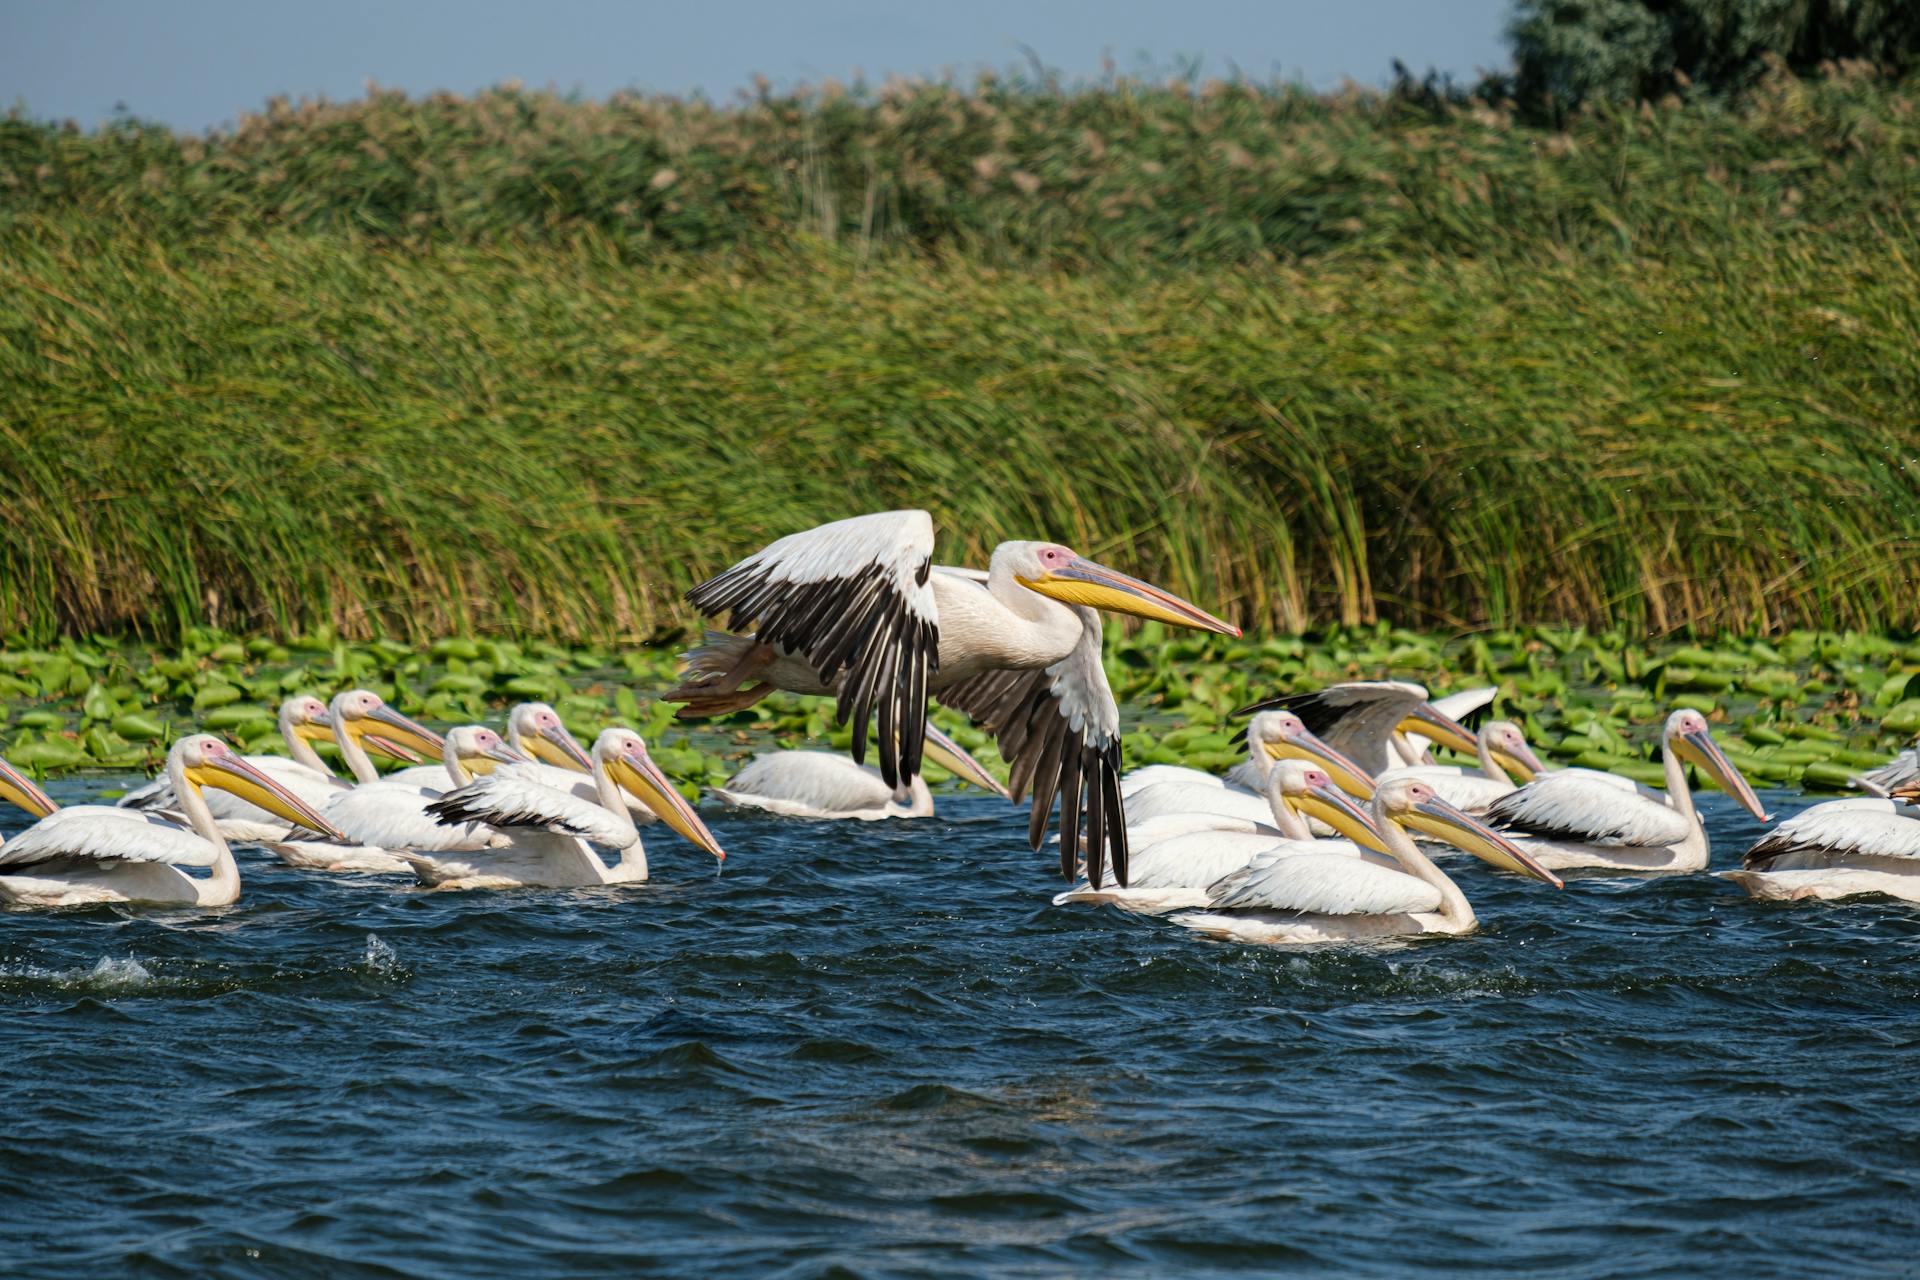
(364, 716)
(478, 749)
(202, 760)
(1285, 736)
(1060, 573)
(1428, 721)
(17, 788)
(953, 757)
(633, 770)
(1414, 806)
(536, 728)
(1311, 792)
(1687, 737)
(306, 717)
(1509, 748)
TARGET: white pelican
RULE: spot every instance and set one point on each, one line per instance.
(1839, 849)
(1583, 818)
(1291, 899)
(857, 609)
(1271, 736)
(361, 718)
(546, 835)
(99, 853)
(16, 788)
(1173, 871)
(1503, 752)
(1360, 719)
(303, 721)
(390, 818)
(821, 784)
(555, 759)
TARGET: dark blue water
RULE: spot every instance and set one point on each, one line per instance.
(877, 1050)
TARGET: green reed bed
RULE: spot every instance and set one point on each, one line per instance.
(280, 431)
(1802, 709)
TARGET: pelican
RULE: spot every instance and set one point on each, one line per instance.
(303, 721)
(1360, 718)
(360, 719)
(820, 784)
(1503, 751)
(1839, 849)
(555, 759)
(1292, 899)
(1173, 871)
(857, 609)
(545, 835)
(1582, 818)
(389, 818)
(1271, 736)
(99, 853)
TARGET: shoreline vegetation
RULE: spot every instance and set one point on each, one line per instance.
(528, 367)
(1805, 709)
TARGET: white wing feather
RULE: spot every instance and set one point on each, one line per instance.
(1186, 797)
(384, 815)
(506, 801)
(1590, 807)
(817, 780)
(102, 833)
(1880, 828)
(1324, 884)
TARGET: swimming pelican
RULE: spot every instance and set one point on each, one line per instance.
(303, 721)
(390, 818)
(361, 718)
(1583, 818)
(99, 853)
(1839, 849)
(1503, 751)
(1173, 871)
(556, 760)
(17, 789)
(1271, 736)
(821, 784)
(857, 609)
(546, 835)
(1292, 899)
(1360, 718)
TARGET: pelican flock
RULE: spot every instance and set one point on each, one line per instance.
(1315, 837)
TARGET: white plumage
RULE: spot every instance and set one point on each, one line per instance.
(1837, 850)
(821, 785)
(302, 772)
(1321, 883)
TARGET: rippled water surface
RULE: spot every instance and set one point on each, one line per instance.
(877, 1049)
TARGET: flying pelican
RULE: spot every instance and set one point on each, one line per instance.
(1360, 718)
(556, 760)
(1271, 736)
(1503, 751)
(1292, 899)
(1839, 849)
(389, 818)
(821, 784)
(1173, 871)
(546, 835)
(857, 609)
(303, 721)
(1583, 818)
(99, 853)
(17, 789)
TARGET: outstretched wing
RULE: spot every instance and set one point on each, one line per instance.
(507, 800)
(1059, 729)
(854, 596)
(1356, 719)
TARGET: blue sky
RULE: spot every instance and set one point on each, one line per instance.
(196, 63)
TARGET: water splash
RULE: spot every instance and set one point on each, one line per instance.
(380, 957)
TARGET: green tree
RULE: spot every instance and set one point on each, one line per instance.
(1573, 51)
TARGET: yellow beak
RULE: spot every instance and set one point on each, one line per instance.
(232, 774)
(556, 747)
(1335, 808)
(1424, 721)
(1347, 775)
(384, 728)
(643, 780)
(18, 789)
(1700, 749)
(1442, 821)
(952, 757)
(1094, 585)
